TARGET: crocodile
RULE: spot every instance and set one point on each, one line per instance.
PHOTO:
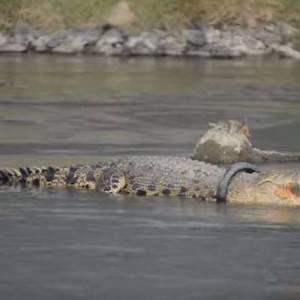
(227, 142)
(167, 176)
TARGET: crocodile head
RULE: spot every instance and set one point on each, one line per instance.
(277, 187)
(225, 142)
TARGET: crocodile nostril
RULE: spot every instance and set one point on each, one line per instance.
(296, 190)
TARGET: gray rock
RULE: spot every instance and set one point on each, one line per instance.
(64, 48)
(112, 36)
(82, 39)
(212, 35)
(3, 39)
(53, 43)
(287, 31)
(200, 41)
(243, 39)
(37, 33)
(222, 52)
(248, 46)
(60, 35)
(41, 44)
(110, 43)
(234, 43)
(76, 40)
(148, 43)
(195, 37)
(172, 46)
(256, 52)
(57, 38)
(109, 50)
(12, 47)
(9, 44)
(151, 41)
(269, 38)
(133, 42)
(23, 34)
(23, 29)
(79, 44)
(286, 51)
(91, 33)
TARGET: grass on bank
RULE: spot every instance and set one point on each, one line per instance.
(53, 14)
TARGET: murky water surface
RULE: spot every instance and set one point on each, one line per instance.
(58, 244)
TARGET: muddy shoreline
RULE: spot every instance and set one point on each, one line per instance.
(199, 41)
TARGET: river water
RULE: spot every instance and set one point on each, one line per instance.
(57, 244)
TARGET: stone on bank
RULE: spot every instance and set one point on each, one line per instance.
(205, 42)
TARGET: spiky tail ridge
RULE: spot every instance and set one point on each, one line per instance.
(32, 176)
(80, 176)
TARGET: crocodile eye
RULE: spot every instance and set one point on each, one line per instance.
(296, 190)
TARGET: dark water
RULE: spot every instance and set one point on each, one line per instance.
(58, 244)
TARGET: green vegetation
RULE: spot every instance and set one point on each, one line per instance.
(51, 14)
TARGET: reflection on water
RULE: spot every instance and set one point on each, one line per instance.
(58, 244)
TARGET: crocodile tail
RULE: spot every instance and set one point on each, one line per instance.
(34, 176)
(274, 156)
(10, 175)
(82, 177)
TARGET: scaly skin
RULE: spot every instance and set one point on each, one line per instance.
(166, 175)
(227, 142)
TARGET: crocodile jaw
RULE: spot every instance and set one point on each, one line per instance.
(274, 187)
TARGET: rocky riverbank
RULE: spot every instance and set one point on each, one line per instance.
(198, 41)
